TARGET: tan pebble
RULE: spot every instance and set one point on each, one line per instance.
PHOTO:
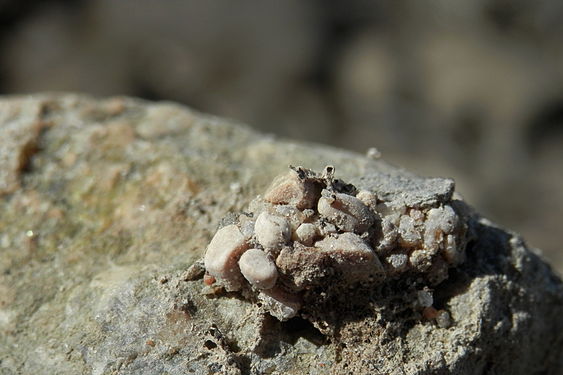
(306, 233)
(222, 256)
(290, 189)
(353, 257)
(272, 231)
(345, 211)
(258, 268)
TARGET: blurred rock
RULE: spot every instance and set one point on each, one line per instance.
(121, 196)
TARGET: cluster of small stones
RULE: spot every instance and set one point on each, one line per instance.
(311, 231)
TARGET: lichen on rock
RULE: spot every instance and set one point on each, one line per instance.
(312, 235)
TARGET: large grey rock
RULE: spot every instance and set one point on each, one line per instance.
(106, 203)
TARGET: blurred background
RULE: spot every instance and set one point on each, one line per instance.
(472, 90)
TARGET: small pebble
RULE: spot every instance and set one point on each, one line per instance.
(272, 231)
(258, 268)
(409, 235)
(353, 256)
(451, 252)
(222, 256)
(306, 233)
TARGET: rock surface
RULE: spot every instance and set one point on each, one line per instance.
(105, 205)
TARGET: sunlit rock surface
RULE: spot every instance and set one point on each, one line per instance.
(107, 206)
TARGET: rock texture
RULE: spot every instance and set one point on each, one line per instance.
(107, 207)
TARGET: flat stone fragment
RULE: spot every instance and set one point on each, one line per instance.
(407, 188)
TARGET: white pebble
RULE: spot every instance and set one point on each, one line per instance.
(306, 233)
(272, 231)
(222, 256)
(258, 268)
